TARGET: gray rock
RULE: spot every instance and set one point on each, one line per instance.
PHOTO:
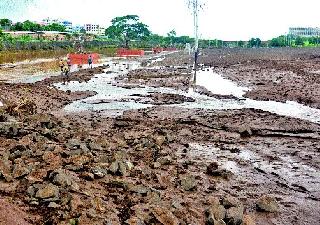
(62, 179)
(73, 144)
(48, 191)
(122, 168)
(167, 160)
(245, 131)
(188, 183)
(53, 205)
(114, 167)
(139, 189)
(93, 146)
(216, 212)
(267, 204)
(31, 191)
(98, 172)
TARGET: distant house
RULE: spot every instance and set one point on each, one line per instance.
(304, 31)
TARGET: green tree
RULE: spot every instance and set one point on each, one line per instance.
(299, 41)
(240, 44)
(254, 42)
(5, 24)
(54, 27)
(280, 41)
(127, 28)
(30, 26)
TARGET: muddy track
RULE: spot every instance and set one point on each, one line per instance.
(160, 165)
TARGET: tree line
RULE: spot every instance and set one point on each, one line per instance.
(128, 31)
(30, 26)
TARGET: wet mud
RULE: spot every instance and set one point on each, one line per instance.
(163, 164)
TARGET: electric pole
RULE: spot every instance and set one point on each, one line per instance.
(194, 5)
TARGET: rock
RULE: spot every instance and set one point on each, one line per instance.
(139, 189)
(188, 183)
(84, 148)
(20, 170)
(53, 205)
(49, 191)
(160, 140)
(212, 168)
(5, 169)
(114, 167)
(130, 165)
(93, 146)
(31, 191)
(80, 160)
(156, 165)
(62, 179)
(234, 216)
(267, 204)
(99, 173)
(122, 168)
(216, 212)
(164, 216)
(73, 144)
(245, 131)
(165, 160)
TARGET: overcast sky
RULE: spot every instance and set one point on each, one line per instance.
(223, 19)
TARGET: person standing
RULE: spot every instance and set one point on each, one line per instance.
(61, 65)
(90, 60)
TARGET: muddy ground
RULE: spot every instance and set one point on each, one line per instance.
(164, 165)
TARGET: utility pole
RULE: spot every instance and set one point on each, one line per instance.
(195, 6)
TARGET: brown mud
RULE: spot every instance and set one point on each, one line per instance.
(161, 165)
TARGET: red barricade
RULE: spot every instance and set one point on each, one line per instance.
(129, 52)
(80, 59)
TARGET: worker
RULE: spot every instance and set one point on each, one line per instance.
(69, 62)
(65, 72)
(61, 65)
(90, 61)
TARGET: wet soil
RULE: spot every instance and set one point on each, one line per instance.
(160, 165)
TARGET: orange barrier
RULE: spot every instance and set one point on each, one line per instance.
(80, 59)
(129, 52)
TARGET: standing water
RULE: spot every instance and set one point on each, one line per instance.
(115, 100)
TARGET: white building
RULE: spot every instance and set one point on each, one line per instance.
(304, 31)
(92, 28)
(102, 31)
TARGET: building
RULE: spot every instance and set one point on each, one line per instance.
(102, 31)
(304, 31)
(92, 29)
(67, 25)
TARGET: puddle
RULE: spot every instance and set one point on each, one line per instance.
(122, 99)
(218, 85)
